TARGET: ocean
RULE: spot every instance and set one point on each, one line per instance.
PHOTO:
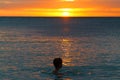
(89, 47)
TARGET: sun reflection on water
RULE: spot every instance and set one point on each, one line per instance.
(66, 47)
(77, 53)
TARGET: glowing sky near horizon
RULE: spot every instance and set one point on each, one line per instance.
(59, 7)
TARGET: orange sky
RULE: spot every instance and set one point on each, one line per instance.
(60, 8)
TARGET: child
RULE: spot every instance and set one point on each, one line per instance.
(57, 62)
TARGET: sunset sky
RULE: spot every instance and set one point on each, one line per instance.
(59, 8)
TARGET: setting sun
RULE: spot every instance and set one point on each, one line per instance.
(66, 14)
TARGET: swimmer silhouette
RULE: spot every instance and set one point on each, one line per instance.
(57, 62)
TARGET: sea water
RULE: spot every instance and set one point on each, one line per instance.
(89, 47)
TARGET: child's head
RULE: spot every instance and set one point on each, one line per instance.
(57, 63)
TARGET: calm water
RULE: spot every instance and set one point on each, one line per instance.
(90, 48)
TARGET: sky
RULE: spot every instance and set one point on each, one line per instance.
(60, 8)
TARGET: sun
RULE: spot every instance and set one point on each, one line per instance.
(65, 11)
(66, 14)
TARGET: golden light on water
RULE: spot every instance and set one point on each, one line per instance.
(66, 47)
(65, 40)
(73, 53)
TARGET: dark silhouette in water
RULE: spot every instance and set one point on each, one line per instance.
(57, 62)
